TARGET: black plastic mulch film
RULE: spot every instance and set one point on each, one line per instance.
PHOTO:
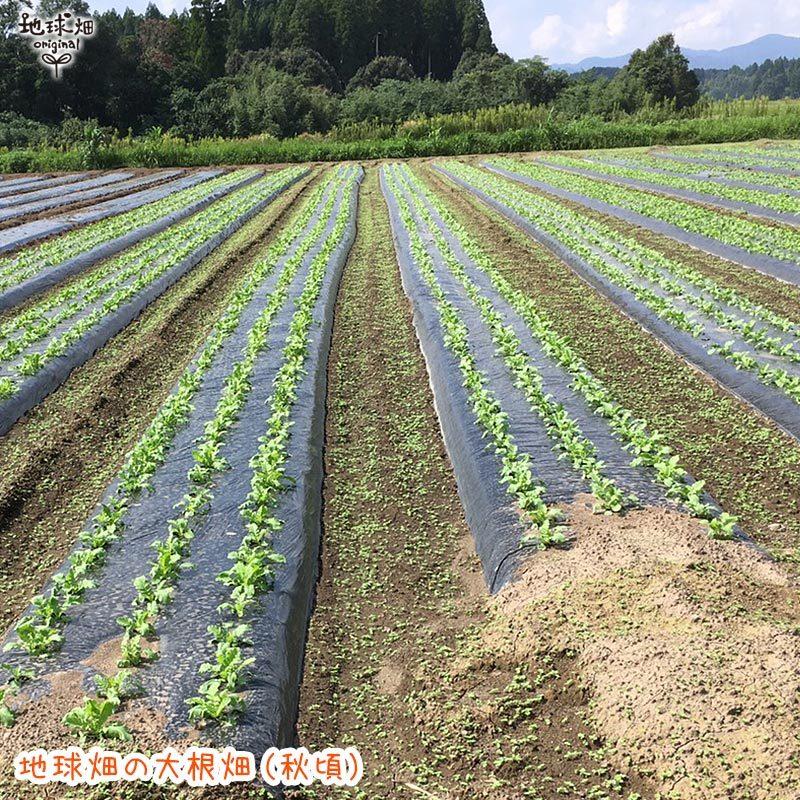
(53, 275)
(771, 402)
(25, 180)
(682, 194)
(18, 188)
(491, 516)
(755, 168)
(68, 195)
(60, 193)
(21, 234)
(777, 268)
(34, 389)
(279, 632)
(710, 175)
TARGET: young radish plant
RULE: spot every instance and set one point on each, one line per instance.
(38, 633)
(542, 520)
(601, 247)
(19, 676)
(560, 426)
(251, 574)
(648, 447)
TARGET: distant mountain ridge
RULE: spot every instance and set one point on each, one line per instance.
(773, 45)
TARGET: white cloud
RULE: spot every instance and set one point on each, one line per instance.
(617, 18)
(554, 34)
(707, 22)
(547, 34)
(562, 31)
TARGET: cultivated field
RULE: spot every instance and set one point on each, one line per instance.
(488, 467)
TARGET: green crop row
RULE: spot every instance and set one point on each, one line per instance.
(36, 258)
(155, 589)
(562, 428)
(251, 574)
(647, 446)
(748, 158)
(36, 322)
(721, 171)
(40, 631)
(748, 234)
(541, 519)
(130, 273)
(778, 202)
(600, 247)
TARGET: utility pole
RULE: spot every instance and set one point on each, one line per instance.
(377, 44)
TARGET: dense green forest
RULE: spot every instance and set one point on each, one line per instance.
(388, 76)
(238, 68)
(774, 79)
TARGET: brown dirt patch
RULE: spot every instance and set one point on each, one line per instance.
(689, 649)
(38, 724)
(395, 661)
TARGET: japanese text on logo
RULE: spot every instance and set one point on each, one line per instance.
(58, 39)
(198, 766)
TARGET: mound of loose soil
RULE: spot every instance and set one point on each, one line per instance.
(689, 649)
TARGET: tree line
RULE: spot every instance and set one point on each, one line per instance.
(237, 68)
(775, 79)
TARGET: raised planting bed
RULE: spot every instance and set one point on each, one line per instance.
(747, 348)
(42, 344)
(207, 543)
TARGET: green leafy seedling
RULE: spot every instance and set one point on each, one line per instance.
(91, 721)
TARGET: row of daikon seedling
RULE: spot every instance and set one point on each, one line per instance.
(155, 589)
(31, 260)
(251, 573)
(648, 276)
(647, 447)
(119, 282)
(718, 172)
(562, 428)
(542, 520)
(778, 202)
(748, 234)
(39, 632)
(254, 560)
(748, 158)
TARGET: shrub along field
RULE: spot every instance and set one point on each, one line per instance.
(508, 129)
(489, 467)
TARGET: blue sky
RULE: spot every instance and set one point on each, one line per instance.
(569, 31)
